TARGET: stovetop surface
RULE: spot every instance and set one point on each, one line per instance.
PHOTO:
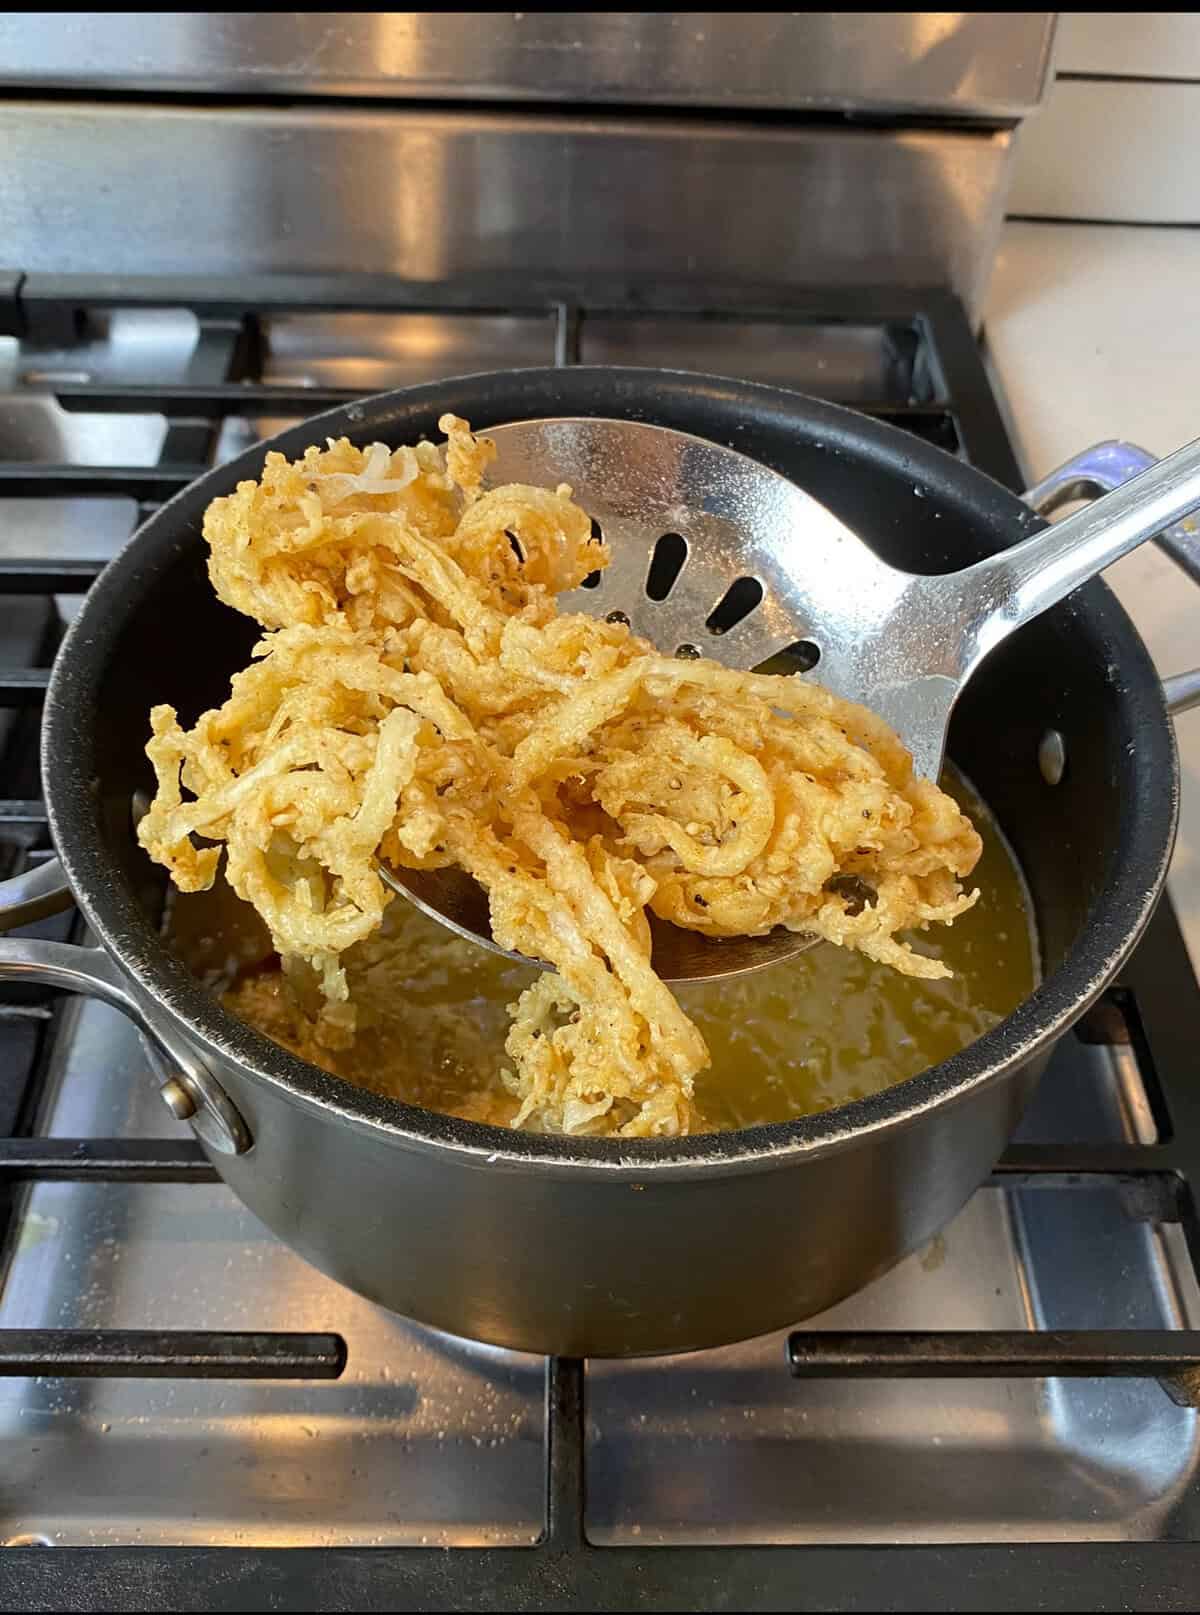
(428, 1442)
(427, 1439)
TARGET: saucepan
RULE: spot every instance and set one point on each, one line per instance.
(589, 1246)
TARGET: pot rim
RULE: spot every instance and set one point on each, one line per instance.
(1113, 927)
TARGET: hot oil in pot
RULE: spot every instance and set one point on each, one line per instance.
(830, 1026)
(806, 1035)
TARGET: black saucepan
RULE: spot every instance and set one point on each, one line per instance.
(586, 1246)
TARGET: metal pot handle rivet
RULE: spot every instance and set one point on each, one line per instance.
(1098, 470)
(177, 1099)
(1052, 757)
(189, 1090)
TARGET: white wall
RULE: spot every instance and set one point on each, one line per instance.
(1119, 135)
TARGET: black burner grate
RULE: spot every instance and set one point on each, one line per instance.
(938, 390)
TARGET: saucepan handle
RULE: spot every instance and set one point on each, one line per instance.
(188, 1088)
(35, 894)
(1098, 470)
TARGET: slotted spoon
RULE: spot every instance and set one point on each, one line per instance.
(716, 555)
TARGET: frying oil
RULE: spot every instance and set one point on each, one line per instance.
(811, 1033)
(830, 1025)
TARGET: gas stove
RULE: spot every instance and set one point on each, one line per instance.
(190, 1415)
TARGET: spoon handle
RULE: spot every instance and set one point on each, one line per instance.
(999, 594)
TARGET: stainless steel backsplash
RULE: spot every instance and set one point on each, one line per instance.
(985, 64)
(773, 162)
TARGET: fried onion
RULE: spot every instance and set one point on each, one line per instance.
(419, 698)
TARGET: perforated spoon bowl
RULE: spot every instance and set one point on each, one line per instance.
(713, 554)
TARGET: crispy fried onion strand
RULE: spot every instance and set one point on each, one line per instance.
(418, 698)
